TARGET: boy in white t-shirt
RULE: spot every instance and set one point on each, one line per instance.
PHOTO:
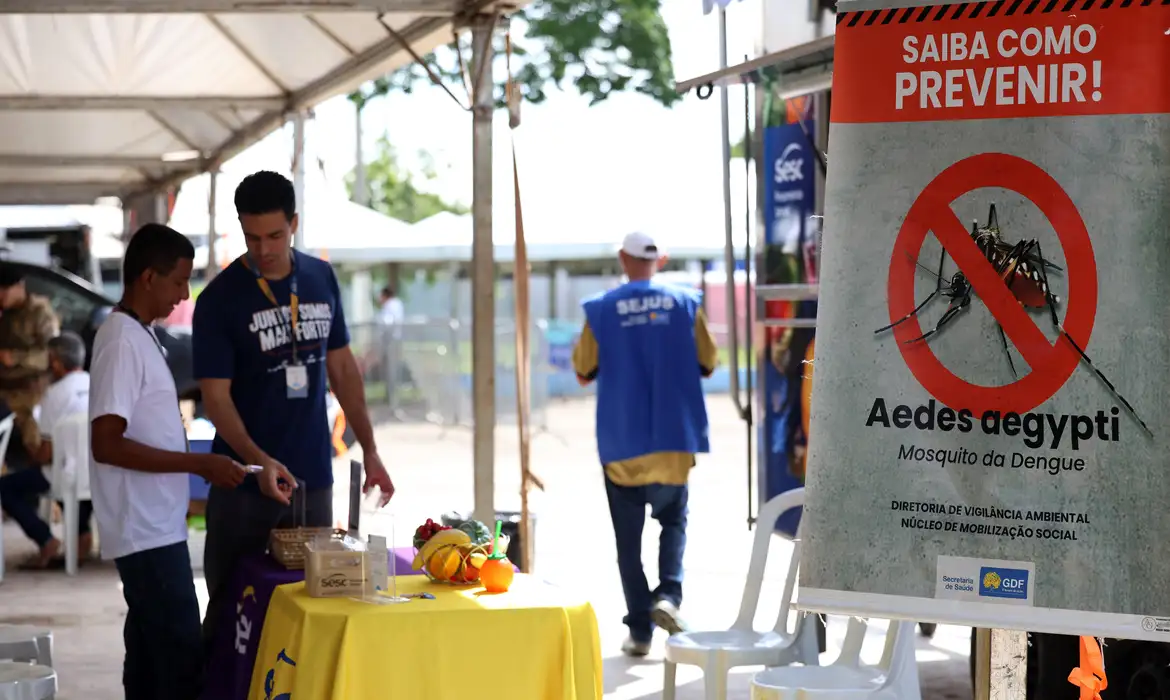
(140, 466)
(67, 395)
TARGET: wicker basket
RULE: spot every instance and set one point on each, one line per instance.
(288, 545)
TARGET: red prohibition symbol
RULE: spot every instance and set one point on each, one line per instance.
(1050, 364)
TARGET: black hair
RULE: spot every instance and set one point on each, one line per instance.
(69, 348)
(154, 247)
(265, 192)
(388, 291)
(10, 275)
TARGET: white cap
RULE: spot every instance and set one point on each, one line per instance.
(640, 245)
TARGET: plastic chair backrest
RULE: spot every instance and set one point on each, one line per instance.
(71, 456)
(770, 512)
(6, 434)
(899, 660)
(899, 645)
(851, 648)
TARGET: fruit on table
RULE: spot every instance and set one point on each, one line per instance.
(445, 563)
(437, 541)
(470, 574)
(425, 531)
(496, 574)
(479, 533)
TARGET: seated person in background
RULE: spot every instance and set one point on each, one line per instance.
(68, 394)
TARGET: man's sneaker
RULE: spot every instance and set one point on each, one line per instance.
(666, 616)
(632, 647)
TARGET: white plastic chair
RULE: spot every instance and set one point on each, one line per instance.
(895, 677)
(69, 478)
(5, 436)
(26, 681)
(26, 643)
(718, 652)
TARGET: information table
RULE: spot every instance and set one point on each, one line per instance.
(238, 634)
(462, 644)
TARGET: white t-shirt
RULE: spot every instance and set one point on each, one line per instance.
(136, 511)
(64, 397)
(392, 311)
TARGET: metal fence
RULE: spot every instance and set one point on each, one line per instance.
(420, 370)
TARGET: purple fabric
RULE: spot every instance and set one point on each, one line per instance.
(402, 562)
(237, 639)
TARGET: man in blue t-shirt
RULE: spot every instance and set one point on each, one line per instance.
(264, 386)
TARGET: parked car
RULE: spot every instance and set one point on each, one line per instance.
(82, 308)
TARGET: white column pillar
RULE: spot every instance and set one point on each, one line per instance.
(212, 230)
(483, 274)
(298, 171)
(361, 190)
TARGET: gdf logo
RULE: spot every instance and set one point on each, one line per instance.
(788, 168)
(1014, 584)
(999, 582)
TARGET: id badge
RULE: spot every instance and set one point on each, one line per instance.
(296, 378)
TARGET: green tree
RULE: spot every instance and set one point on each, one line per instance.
(393, 191)
(599, 46)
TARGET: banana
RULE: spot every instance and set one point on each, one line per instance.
(439, 539)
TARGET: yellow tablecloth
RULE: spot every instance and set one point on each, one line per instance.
(535, 642)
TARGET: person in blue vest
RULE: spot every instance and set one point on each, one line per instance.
(647, 345)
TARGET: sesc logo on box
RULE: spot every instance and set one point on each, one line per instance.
(996, 582)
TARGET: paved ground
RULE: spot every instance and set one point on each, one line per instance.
(432, 469)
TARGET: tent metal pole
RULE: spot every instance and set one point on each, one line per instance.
(483, 271)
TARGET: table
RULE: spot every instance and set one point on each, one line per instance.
(535, 642)
(233, 653)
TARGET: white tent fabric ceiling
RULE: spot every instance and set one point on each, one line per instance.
(95, 105)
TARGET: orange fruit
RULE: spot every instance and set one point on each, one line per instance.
(470, 574)
(445, 563)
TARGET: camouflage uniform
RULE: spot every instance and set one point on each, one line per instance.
(24, 335)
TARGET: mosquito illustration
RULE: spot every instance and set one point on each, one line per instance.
(1024, 270)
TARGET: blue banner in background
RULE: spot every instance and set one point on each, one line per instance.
(790, 200)
(789, 185)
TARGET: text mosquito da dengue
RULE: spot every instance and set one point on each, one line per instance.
(1024, 269)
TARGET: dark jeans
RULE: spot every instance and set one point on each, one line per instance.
(627, 507)
(239, 522)
(18, 498)
(164, 657)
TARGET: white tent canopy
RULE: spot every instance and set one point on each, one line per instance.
(558, 229)
(332, 221)
(118, 104)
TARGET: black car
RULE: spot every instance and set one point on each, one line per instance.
(82, 308)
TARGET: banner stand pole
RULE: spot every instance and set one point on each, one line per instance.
(1001, 664)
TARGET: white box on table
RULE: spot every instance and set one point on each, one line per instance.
(334, 569)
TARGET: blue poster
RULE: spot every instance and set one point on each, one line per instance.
(789, 201)
(789, 185)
